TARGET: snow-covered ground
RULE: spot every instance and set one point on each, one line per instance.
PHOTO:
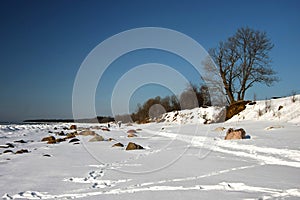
(181, 159)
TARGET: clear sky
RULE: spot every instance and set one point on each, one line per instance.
(43, 43)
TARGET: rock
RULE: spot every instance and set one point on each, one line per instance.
(131, 135)
(47, 155)
(118, 145)
(133, 146)
(96, 138)
(73, 127)
(8, 151)
(22, 151)
(60, 140)
(74, 140)
(104, 128)
(3, 146)
(280, 107)
(10, 145)
(131, 131)
(49, 140)
(274, 127)
(110, 139)
(86, 133)
(252, 103)
(235, 108)
(65, 128)
(61, 133)
(7, 196)
(219, 129)
(139, 129)
(20, 141)
(70, 135)
(235, 134)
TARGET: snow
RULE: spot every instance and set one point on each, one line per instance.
(183, 158)
(281, 110)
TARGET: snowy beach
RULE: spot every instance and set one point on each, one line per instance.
(180, 159)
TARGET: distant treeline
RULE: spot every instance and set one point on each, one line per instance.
(192, 97)
(99, 119)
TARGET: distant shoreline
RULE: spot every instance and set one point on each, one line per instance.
(99, 119)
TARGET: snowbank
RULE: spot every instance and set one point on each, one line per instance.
(196, 115)
(283, 109)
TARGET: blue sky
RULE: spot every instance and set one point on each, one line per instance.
(43, 44)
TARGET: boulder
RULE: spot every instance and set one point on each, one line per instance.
(7, 145)
(96, 138)
(73, 127)
(219, 129)
(20, 141)
(131, 135)
(131, 131)
(8, 151)
(274, 127)
(118, 145)
(133, 146)
(74, 140)
(235, 108)
(104, 128)
(49, 140)
(235, 134)
(10, 145)
(60, 140)
(70, 135)
(60, 133)
(52, 142)
(22, 151)
(86, 133)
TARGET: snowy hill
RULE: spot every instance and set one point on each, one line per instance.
(283, 109)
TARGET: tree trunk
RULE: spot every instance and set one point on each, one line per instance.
(228, 89)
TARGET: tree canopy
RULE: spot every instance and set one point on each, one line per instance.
(242, 60)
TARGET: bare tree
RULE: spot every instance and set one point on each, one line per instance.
(242, 60)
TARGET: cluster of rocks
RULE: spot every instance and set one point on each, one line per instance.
(95, 138)
(130, 145)
(10, 146)
(60, 136)
(53, 140)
